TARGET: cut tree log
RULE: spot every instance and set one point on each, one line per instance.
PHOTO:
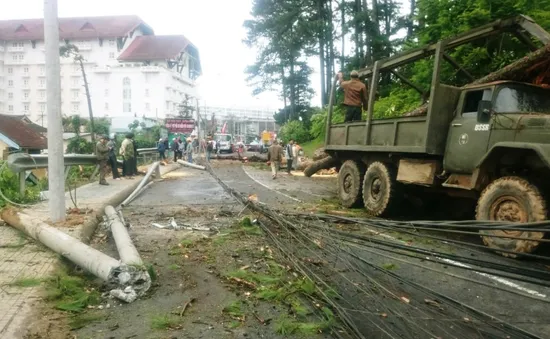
(318, 165)
(527, 69)
(320, 154)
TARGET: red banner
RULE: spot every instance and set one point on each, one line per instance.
(180, 125)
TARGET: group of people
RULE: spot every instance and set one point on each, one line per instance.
(106, 155)
(276, 153)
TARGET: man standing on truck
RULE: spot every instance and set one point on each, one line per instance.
(355, 96)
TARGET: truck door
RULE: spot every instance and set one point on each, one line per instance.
(468, 139)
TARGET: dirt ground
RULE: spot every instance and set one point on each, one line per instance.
(222, 281)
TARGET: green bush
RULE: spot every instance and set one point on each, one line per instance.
(9, 184)
(80, 145)
(294, 130)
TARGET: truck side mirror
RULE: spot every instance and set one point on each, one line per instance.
(484, 111)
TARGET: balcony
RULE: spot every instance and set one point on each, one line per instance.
(150, 69)
(102, 69)
(16, 49)
(83, 46)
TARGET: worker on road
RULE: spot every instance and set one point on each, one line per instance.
(274, 157)
(290, 156)
(355, 96)
(102, 153)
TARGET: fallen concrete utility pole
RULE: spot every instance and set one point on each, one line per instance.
(188, 164)
(153, 167)
(128, 281)
(126, 250)
(138, 193)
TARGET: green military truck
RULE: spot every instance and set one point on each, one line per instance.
(489, 141)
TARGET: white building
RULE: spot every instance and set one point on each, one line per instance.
(130, 70)
(241, 121)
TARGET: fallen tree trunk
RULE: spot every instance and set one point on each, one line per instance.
(320, 154)
(318, 165)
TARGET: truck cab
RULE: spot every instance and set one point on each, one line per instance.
(502, 115)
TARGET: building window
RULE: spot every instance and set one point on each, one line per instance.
(42, 107)
(148, 106)
(21, 57)
(26, 70)
(25, 83)
(147, 92)
(76, 94)
(10, 95)
(106, 106)
(14, 57)
(167, 105)
(42, 82)
(26, 107)
(126, 95)
(26, 94)
(106, 92)
(10, 108)
(111, 42)
(18, 44)
(10, 83)
(42, 70)
(111, 55)
(76, 107)
(76, 81)
(10, 70)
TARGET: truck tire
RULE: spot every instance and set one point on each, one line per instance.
(350, 179)
(511, 199)
(380, 188)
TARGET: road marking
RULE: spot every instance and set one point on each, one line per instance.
(497, 279)
(490, 276)
(269, 188)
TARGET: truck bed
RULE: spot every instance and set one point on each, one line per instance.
(418, 134)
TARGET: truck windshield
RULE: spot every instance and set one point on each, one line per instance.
(522, 99)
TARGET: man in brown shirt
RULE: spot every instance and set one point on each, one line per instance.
(274, 156)
(355, 96)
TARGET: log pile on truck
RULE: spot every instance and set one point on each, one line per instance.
(488, 140)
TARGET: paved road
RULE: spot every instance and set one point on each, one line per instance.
(522, 304)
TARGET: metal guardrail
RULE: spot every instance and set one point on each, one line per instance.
(19, 162)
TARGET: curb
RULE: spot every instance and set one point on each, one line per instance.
(88, 229)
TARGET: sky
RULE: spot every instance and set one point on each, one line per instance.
(214, 26)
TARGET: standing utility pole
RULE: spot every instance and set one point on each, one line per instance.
(56, 176)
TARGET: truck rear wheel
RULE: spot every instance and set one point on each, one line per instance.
(379, 189)
(516, 200)
(350, 179)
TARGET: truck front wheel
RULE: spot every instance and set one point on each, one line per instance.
(350, 178)
(511, 199)
(379, 189)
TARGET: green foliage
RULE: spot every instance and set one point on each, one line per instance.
(80, 145)
(294, 130)
(26, 282)
(101, 126)
(165, 322)
(70, 292)
(400, 100)
(9, 184)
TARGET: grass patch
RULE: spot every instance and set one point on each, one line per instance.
(174, 267)
(70, 292)
(82, 320)
(26, 282)
(287, 326)
(390, 266)
(165, 322)
(234, 310)
(186, 243)
(311, 146)
(152, 272)
(248, 228)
